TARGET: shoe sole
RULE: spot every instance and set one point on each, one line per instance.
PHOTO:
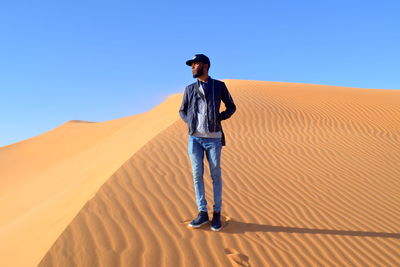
(216, 229)
(197, 226)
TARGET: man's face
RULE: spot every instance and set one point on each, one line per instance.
(197, 69)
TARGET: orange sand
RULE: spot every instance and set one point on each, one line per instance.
(310, 173)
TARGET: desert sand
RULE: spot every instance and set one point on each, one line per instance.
(311, 177)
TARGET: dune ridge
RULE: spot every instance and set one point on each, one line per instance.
(310, 178)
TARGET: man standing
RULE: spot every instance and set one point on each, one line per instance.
(200, 110)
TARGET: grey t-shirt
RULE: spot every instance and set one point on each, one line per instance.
(202, 122)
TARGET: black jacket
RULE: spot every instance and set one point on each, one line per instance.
(216, 92)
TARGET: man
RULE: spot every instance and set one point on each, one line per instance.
(200, 110)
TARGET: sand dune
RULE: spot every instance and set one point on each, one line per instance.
(310, 173)
(47, 179)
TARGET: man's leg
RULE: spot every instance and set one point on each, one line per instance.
(213, 153)
(196, 154)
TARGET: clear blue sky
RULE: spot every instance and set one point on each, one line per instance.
(102, 60)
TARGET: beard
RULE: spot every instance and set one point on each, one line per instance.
(198, 73)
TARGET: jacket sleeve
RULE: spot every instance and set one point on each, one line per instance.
(229, 104)
(183, 111)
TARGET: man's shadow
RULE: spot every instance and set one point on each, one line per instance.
(234, 227)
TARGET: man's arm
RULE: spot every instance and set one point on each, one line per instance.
(229, 104)
(184, 106)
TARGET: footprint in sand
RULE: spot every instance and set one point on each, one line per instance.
(224, 220)
(236, 258)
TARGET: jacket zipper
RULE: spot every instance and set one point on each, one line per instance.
(215, 112)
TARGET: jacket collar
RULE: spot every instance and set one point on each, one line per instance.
(209, 82)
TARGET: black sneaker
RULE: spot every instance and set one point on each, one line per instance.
(216, 221)
(201, 219)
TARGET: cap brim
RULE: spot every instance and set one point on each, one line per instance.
(189, 62)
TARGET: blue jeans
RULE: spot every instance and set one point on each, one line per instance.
(196, 148)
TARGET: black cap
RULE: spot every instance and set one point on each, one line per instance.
(199, 58)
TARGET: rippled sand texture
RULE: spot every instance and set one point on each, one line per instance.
(310, 174)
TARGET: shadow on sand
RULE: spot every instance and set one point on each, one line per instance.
(234, 227)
